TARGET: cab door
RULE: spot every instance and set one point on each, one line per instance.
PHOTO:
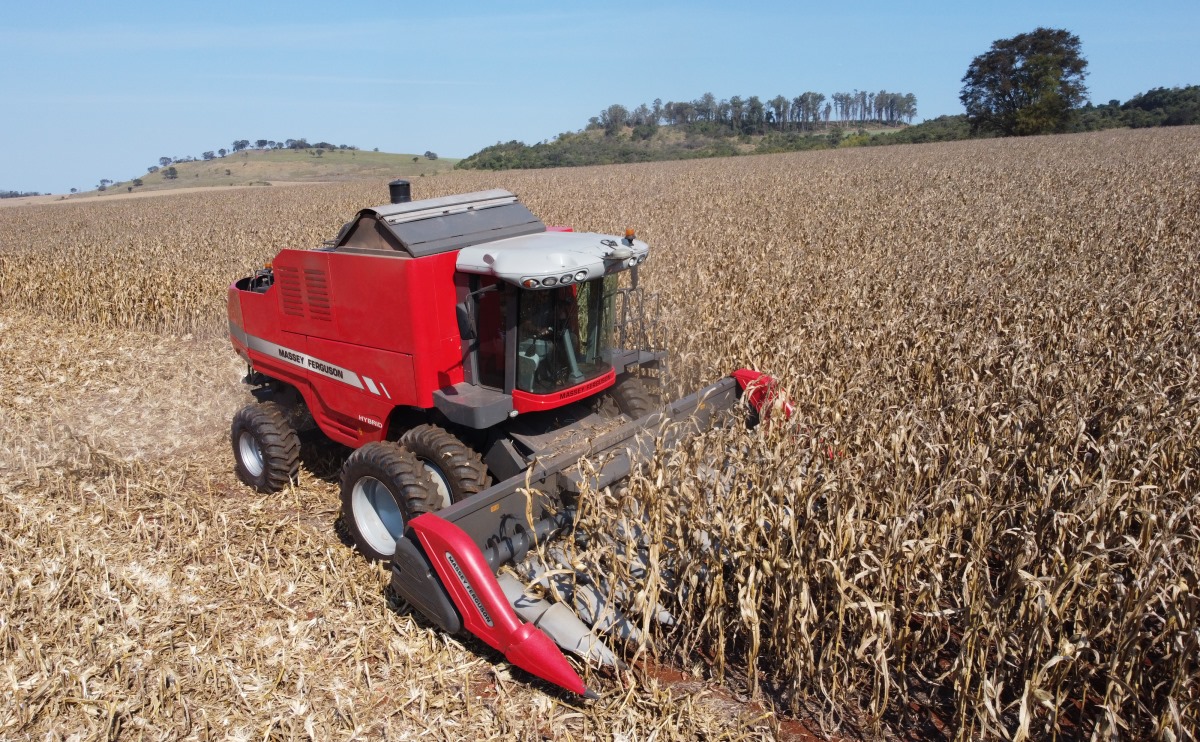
(492, 317)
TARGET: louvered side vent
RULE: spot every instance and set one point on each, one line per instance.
(287, 279)
(316, 284)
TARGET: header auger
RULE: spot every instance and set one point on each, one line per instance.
(471, 356)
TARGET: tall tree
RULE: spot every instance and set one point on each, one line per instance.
(614, 118)
(755, 114)
(779, 106)
(1029, 84)
(810, 105)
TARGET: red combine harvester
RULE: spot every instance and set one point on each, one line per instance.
(456, 342)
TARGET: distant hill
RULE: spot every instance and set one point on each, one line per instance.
(708, 127)
(645, 142)
(263, 167)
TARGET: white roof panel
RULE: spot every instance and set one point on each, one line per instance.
(581, 255)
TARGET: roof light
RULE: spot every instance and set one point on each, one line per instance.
(566, 278)
(581, 276)
(530, 283)
(549, 281)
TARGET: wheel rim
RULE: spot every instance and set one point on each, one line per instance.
(378, 517)
(251, 455)
(440, 482)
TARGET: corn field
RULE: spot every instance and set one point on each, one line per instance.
(980, 523)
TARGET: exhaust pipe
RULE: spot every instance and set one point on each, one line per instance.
(400, 191)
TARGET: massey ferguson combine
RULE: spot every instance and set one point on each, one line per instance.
(471, 356)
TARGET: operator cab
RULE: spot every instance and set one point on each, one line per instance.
(563, 336)
(542, 309)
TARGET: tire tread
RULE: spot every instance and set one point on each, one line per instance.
(268, 423)
(402, 473)
(633, 397)
(463, 467)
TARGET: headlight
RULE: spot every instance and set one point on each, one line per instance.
(581, 276)
(549, 281)
(530, 283)
(566, 278)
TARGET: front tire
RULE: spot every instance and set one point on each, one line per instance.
(456, 470)
(384, 487)
(265, 447)
(633, 397)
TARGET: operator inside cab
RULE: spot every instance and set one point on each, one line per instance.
(564, 335)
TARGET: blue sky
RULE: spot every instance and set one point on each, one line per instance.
(102, 90)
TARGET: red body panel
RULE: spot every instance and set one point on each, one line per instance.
(526, 402)
(357, 335)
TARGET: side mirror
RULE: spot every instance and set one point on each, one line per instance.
(466, 323)
(466, 317)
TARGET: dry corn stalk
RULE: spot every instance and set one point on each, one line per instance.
(984, 511)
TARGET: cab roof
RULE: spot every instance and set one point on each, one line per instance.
(543, 261)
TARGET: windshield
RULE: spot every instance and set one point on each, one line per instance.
(564, 335)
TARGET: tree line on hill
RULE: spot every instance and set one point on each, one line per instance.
(1155, 107)
(240, 145)
(1178, 106)
(710, 128)
(18, 194)
(752, 115)
(166, 165)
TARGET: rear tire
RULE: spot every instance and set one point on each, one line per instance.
(457, 471)
(633, 397)
(384, 487)
(266, 450)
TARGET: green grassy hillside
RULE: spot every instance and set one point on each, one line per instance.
(263, 167)
(595, 146)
